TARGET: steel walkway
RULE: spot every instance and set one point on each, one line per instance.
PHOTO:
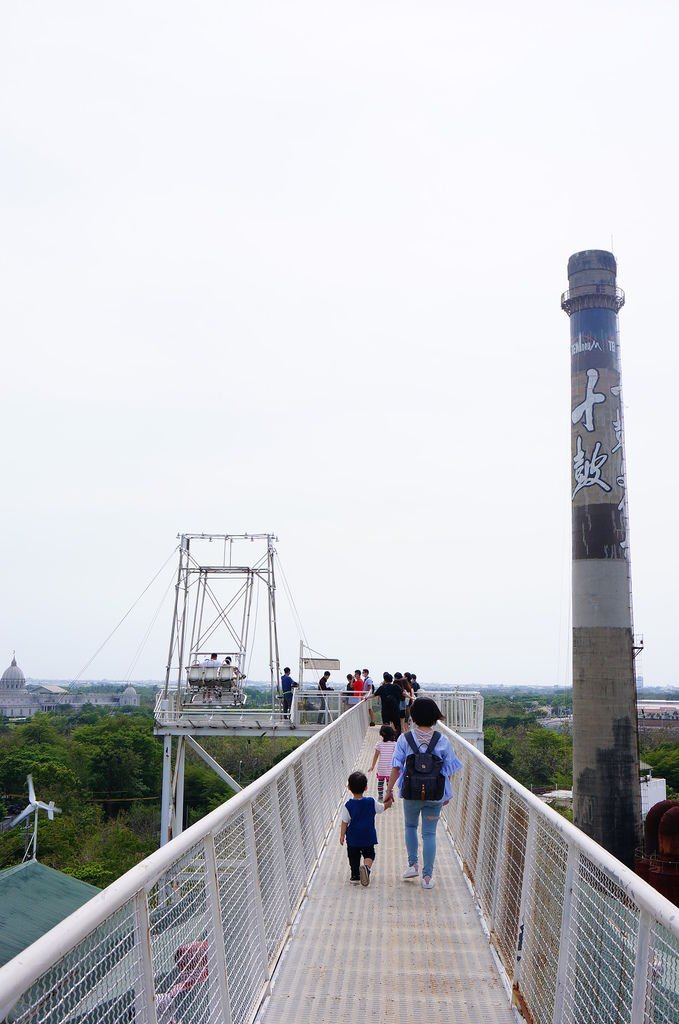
(371, 954)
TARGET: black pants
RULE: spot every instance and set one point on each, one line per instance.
(354, 854)
(287, 701)
(391, 715)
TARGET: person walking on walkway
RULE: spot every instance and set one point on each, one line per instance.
(358, 828)
(383, 756)
(423, 763)
(389, 694)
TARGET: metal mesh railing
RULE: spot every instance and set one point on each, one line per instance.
(581, 938)
(193, 932)
(462, 709)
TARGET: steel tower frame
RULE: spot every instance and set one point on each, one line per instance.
(200, 614)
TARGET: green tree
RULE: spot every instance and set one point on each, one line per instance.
(543, 758)
(118, 759)
(53, 776)
(499, 747)
(203, 791)
(665, 762)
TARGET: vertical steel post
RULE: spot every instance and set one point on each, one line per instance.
(257, 906)
(527, 882)
(274, 657)
(296, 826)
(182, 547)
(178, 788)
(498, 874)
(146, 996)
(565, 937)
(166, 797)
(481, 848)
(220, 984)
(641, 969)
(181, 627)
(606, 787)
(276, 823)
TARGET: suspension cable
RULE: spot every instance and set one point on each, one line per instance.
(128, 612)
(149, 629)
(295, 612)
(251, 643)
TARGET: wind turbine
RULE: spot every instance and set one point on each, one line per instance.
(34, 806)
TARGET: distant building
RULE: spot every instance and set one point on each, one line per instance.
(17, 700)
(652, 792)
(658, 710)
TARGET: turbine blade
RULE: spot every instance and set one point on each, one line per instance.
(50, 808)
(24, 814)
(31, 790)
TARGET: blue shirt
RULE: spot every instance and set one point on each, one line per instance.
(361, 830)
(443, 749)
(287, 683)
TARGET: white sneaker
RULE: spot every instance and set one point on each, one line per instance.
(427, 882)
(411, 872)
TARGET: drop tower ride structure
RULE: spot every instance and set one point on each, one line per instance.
(606, 789)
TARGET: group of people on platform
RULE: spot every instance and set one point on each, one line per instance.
(395, 693)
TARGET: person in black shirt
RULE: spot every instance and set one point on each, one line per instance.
(390, 694)
(324, 711)
(323, 682)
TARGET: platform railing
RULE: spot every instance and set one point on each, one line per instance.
(193, 932)
(580, 937)
(462, 709)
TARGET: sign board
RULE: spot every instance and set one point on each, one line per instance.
(322, 664)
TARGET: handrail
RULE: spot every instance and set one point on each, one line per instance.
(215, 890)
(568, 921)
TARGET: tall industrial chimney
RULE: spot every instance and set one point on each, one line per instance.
(606, 789)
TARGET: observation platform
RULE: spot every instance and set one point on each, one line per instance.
(311, 711)
(389, 952)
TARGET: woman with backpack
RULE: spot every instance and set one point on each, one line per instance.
(423, 763)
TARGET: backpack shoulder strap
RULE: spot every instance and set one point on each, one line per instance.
(432, 742)
(411, 743)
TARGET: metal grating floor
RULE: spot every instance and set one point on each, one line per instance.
(371, 955)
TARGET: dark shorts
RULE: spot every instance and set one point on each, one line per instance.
(363, 851)
(354, 853)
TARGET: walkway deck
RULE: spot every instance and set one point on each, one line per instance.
(337, 967)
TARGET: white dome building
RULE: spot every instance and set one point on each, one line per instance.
(15, 699)
(129, 697)
(13, 678)
(19, 701)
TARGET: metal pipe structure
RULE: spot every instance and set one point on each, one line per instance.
(606, 787)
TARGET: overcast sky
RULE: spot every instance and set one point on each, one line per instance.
(295, 266)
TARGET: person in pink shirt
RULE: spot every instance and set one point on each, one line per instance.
(384, 752)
